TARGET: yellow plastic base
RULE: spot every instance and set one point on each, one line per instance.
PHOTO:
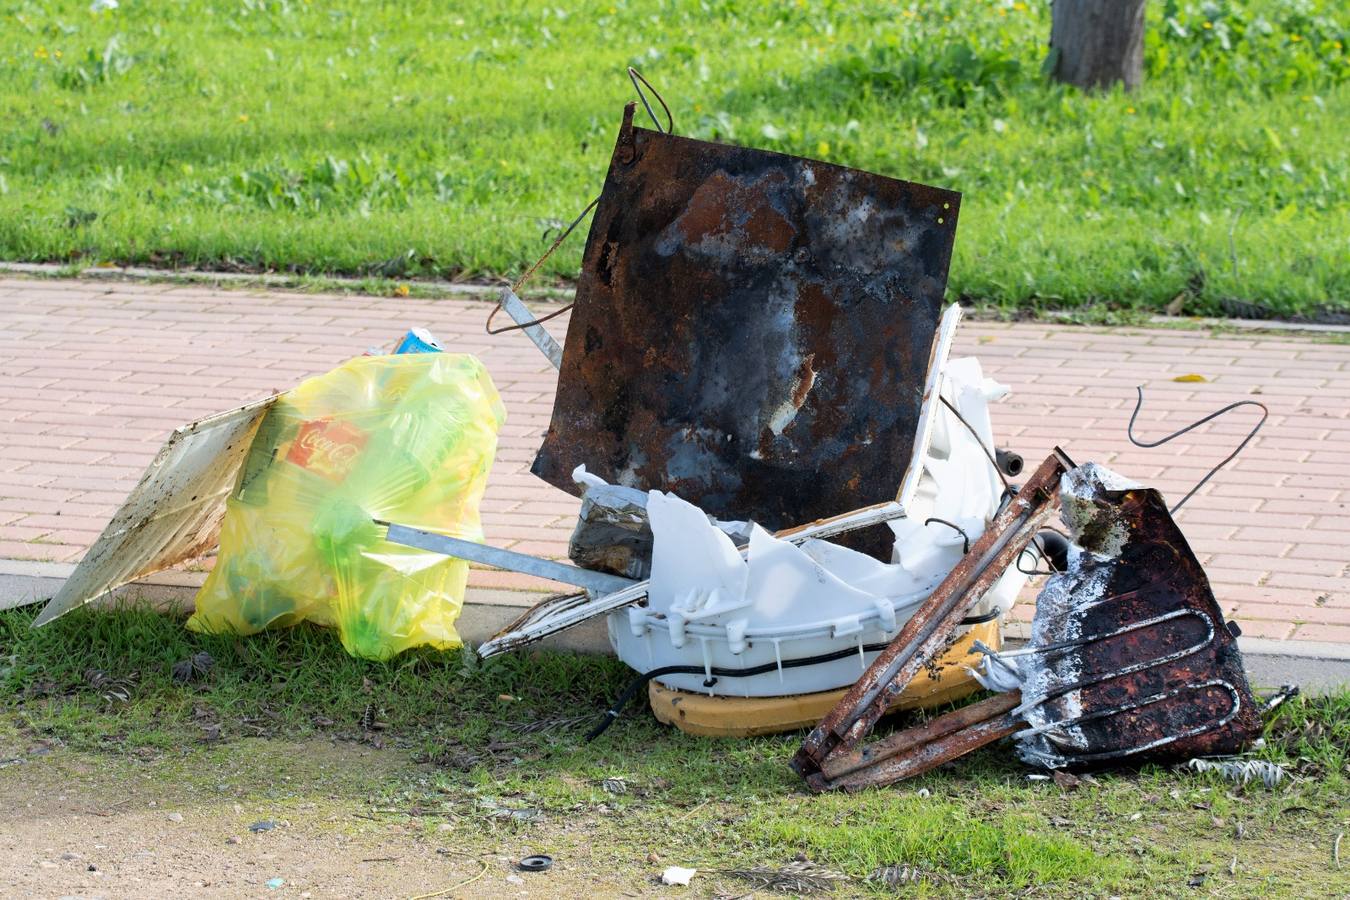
(700, 714)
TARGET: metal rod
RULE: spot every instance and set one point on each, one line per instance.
(506, 559)
(915, 760)
(841, 764)
(520, 313)
(925, 633)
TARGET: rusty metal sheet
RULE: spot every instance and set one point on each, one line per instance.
(751, 330)
(174, 512)
(924, 636)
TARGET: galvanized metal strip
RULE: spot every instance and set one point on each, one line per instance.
(520, 313)
(506, 559)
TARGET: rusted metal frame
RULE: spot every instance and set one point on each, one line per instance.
(842, 763)
(917, 750)
(923, 637)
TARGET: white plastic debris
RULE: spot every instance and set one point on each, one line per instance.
(678, 875)
(712, 608)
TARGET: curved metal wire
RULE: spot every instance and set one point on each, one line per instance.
(1139, 404)
(965, 538)
(1007, 487)
(487, 326)
(638, 81)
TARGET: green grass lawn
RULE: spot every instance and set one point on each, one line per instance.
(462, 746)
(427, 138)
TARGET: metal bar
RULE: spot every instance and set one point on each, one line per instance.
(839, 764)
(520, 313)
(924, 636)
(920, 758)
(506, 559)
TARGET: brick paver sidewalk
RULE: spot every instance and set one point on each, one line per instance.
(93, 376)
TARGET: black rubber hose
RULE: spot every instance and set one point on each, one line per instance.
(1009, 463)
(638, 683)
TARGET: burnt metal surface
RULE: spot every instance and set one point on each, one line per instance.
(1129, 661)
(925, 635)
(751, 330)
(1148, 669)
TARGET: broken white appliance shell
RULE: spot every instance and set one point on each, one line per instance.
(709, 607)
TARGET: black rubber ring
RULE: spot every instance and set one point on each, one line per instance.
(538, 863)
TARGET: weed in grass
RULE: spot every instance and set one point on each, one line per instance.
(332, 138)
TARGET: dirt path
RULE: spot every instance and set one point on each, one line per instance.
(85, 825)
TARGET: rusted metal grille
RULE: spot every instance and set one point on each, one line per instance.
(1130, 658)
(751, 330)
(1160, 674)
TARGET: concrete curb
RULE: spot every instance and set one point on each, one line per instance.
(1315, 666)
(486, 611)
(489, 291)
(478, 291)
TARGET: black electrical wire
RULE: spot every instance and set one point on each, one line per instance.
(1148, 445)
(638, 683)
(965, 538)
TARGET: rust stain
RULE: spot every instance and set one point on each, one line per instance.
(1130, 658)
(1188, 693)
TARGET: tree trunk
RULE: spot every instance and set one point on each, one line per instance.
(1095, 43)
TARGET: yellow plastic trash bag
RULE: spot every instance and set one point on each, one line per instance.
(406, 439)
